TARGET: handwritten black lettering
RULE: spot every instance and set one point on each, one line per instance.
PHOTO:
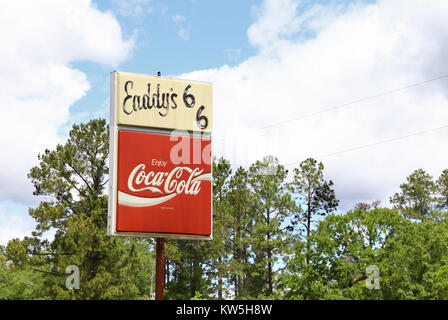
(128, 96)
(200, 118)
(162, 101)
(162, 105)
(148, 101)
(173, 96)
(189, 99)
(136, 103)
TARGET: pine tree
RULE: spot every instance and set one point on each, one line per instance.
(241, 203)
(314, 193)
(417, 198)
(269, 240)
(221, 223)
(442, 190)
(72, 178)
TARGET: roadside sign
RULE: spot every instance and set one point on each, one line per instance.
(160, 158)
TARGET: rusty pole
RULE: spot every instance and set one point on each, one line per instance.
(160, 261)
(160, 267)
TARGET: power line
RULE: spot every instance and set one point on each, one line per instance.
(300, 117)
(374, 144)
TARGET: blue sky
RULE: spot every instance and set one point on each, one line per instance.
(177, 37)
(279, 69)
(214, 34)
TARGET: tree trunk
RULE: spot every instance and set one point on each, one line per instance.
(308, 230)
(269, 252)
(219, 279)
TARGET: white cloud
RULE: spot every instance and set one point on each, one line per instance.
(279, 20)
(38, 85)
(178, 18)
(182, 31)
(133, 8)
(14, 223)
(324, 56)
(275, 19)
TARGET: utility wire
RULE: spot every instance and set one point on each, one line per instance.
(373, 144)
(300, 117)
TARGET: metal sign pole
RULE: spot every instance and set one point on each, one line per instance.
(160, 262)
(160, 267)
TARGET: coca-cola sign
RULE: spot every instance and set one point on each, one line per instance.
(174, 183)
(163, 185)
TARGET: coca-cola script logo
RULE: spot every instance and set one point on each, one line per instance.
(181, 180)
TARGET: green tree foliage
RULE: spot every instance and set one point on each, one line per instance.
(220, 247)
(417, 197)
(185, 269)
(241, 203)
(17, 283)
(269, 239)
(72, 179)
(442, 188)
(273, 237)
(315, 193)
(411, 258)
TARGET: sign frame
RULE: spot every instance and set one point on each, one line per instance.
(114, 128)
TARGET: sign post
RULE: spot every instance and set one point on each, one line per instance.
(160, 161)
(160, 267)
(160, 262)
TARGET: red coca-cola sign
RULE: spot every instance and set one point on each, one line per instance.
(163, 185)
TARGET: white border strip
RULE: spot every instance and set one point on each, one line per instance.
(113, 140)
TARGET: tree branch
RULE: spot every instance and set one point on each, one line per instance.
(49, 272)
(52, 253)
(360, 278)
(80, 175)
(74, 186)
(104, 183)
